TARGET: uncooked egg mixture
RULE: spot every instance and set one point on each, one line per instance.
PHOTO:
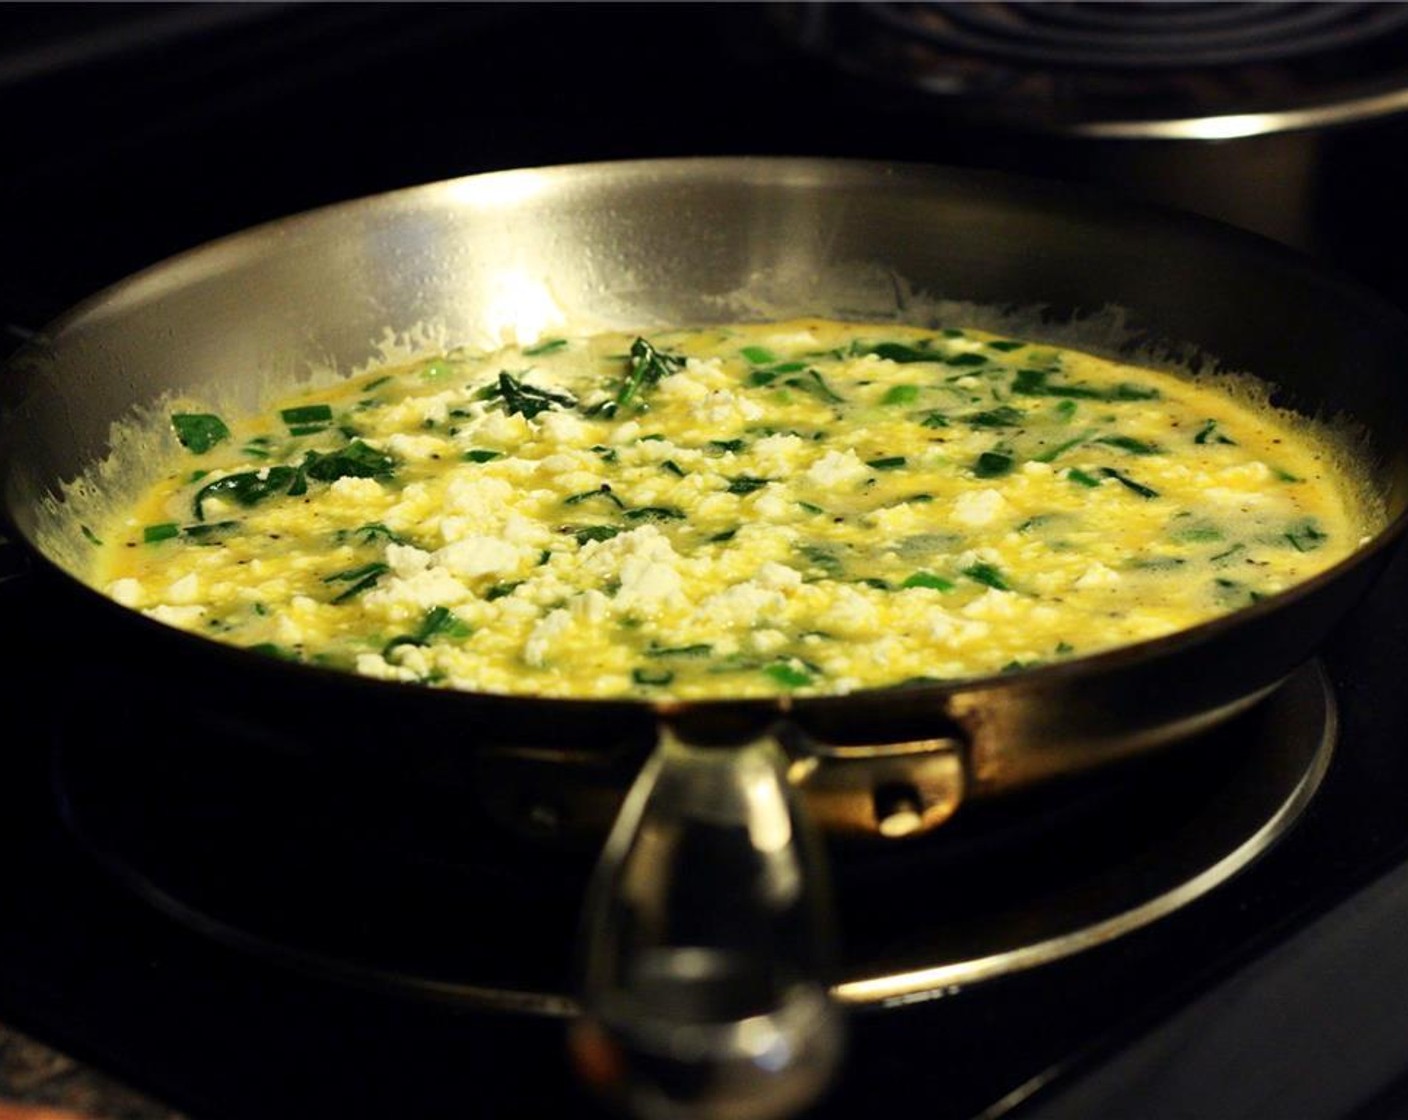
(809, 507)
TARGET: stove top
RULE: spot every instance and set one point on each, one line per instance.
(143, 131)
(218, 1026)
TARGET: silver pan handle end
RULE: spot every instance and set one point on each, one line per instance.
(708, 943)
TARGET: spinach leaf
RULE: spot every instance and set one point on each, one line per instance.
(360, 579)
(526, 400)
(648, 367)
(248, 488)
(199, 431)
(988, 575)
(1129, 483)
(993, 464)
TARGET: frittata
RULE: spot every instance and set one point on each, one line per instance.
(807, 507)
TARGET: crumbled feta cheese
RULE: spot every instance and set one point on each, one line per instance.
(837, 468)
(1097, 575)
(128, 592)
(767, 641)
(502, 428)
(414, 595)
(778, 576)
(185, 617)
(994, 604)
(184, 591)
(357, 489)
(417, 448)
(406, 560)
(539, 646)
(648, 585)
(738, 606)
(850, 614)
(374, 665)
(726, 409)
(479, 556)
(976, 508)
(772, 505)
(778, 454)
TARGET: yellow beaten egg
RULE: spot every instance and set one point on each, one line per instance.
(810, 506)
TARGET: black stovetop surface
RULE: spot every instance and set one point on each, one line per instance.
(174, 125)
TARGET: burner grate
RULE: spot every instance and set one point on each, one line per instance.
(1078, 33)
(1128, 70)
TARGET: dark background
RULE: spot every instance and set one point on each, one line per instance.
(132, 132)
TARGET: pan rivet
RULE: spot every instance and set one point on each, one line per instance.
(899, 809)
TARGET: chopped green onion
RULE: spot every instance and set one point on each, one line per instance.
(595, 533)
(1051, 454)
(993, 464)
(269, 649)
(1209, 433)
(988, 575)
(602, 491)
(208, 529)
(1004, 416)
(1306, 536)
(824, 559)
(1130, 444)
(163, 532)
(929, 580)
(788, 675)
(1129, 483)
(813, 383)
(318, 414)
(702, 649)
(898, 352)
(655, 513)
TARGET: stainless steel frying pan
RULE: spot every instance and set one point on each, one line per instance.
(706, 929)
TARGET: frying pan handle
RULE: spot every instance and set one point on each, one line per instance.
(708, 935)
